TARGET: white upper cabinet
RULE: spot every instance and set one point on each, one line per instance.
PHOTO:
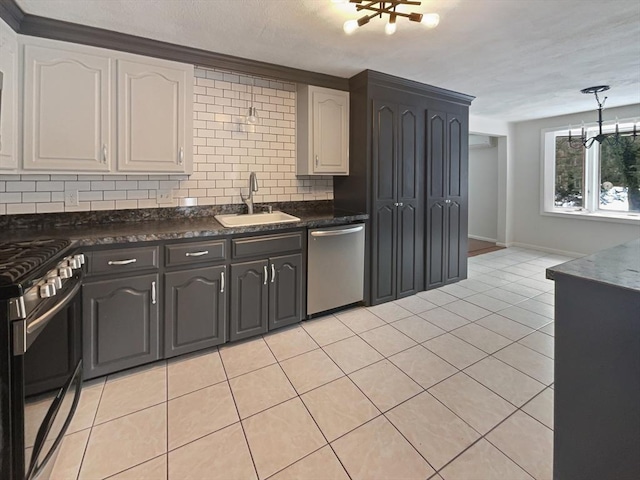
(322, 131)
(67, 110)
(152, 118)
(94, 110)
(9, 100)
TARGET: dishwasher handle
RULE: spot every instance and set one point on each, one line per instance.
(333, 233)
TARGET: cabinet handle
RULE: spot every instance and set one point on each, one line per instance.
(181, 156)
(266, 275)
(273, 273)
(153, 293)
(317, 160)
(122, 262)
(196, 254)
(221, 282)
(400, 204)
(447, 201)
(104, 153)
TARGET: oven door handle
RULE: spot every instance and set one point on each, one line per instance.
(49, 314)
(35, 467)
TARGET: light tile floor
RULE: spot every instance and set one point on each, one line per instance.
(453, 384)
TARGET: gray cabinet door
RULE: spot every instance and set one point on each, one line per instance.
(397, 223)
(195, 309)
(121, 324)
(249, 299)
(410, 230)
(384, 220)
(457, 195)
(447, 198)
(285, 290)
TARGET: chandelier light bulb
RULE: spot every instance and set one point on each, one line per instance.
(390, 28)
(350, 26)
(430, 20)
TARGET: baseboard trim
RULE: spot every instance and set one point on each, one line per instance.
(545, 249)
(483, 239)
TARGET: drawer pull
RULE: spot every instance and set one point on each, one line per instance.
(122, 262)
(221, 282)
(197, 254)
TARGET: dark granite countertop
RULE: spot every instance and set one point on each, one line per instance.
(99, 228)
(618, 266)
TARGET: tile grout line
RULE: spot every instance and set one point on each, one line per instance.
(310, 415)
(255, 469)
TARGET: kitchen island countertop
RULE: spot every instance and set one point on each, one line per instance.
(618, 266)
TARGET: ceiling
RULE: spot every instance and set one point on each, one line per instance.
(522, 59)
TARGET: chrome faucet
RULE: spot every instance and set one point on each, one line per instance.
(253, 187)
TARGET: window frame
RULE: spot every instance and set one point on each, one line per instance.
(591, 199)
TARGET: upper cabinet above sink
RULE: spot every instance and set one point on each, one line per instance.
(322, 131)
(89, 109)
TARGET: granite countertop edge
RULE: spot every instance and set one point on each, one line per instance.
(175, 229)
(617, 266)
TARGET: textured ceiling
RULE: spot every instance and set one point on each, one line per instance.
(522, 59)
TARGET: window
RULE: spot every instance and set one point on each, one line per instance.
(603, 180)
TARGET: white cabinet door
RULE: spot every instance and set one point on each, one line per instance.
(322, 131)
(67, 110)
(9, 100)
(330, 132)
(152, 118)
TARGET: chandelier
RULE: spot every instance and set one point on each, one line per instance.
(388, 8)
(586, 142)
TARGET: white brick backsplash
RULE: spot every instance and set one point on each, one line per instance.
(225, 151)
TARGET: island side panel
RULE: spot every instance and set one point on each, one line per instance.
(597, 380)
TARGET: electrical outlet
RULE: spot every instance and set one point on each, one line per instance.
(71, 198)
(164, 196)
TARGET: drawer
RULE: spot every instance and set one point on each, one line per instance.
(123, 260)
(195, 252)
(266, 245)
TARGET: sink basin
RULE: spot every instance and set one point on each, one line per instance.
(239, 220)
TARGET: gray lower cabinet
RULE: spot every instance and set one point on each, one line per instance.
(195, 309)
(121, 324)
(249, 299)
(265, 295)
(285, 291)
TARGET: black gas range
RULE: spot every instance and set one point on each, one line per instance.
(41, 354)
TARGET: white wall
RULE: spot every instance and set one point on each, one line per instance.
(483, 193)
(223, 157)
(530, 227)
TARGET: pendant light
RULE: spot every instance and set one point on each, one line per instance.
(252, 119)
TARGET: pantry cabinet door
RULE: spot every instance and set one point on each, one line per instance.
(67, 110)
(153, 102)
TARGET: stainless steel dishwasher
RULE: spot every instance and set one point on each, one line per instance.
(335, 270)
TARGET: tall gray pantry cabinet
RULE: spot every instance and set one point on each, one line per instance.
(409, 171)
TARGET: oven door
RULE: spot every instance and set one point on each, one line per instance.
(52, 378)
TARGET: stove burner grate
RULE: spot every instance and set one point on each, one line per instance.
(18, 259)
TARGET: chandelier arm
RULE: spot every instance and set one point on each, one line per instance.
(383, 8)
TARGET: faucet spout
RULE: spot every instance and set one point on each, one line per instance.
(253, 187)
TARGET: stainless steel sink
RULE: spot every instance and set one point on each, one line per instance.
(244, 220)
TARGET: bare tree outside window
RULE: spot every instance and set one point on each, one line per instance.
(620, 175)
(569, 174)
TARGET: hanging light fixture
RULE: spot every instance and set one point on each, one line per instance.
(251, 119)
(388, 7)
(586, 142)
